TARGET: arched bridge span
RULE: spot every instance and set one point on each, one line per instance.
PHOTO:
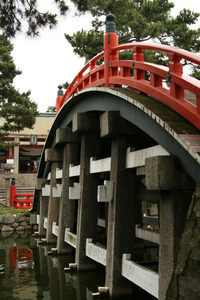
(110, 155)
(119, 167)
(162, 124)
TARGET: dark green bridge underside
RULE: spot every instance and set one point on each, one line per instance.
(154, 118)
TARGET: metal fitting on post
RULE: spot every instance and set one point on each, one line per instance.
(110, 25)
(60, 91)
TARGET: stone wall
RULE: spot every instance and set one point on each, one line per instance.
(186, 278)
(19, 222)
(22, 180)
(26, 180)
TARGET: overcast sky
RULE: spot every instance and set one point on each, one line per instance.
(48, 60)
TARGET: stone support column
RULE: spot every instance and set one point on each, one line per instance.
(71, 155)
(43, 204)
(43, 214)
(16, 157)
(55, 157)
(123, 211)
(165, 174)
(7, 176)
(87, 204)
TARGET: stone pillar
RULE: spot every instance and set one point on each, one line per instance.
(165, 174)
(123, 211)
(43, 204)
(16, 157)
(71, 155)
(55, 157)
(87, 204)
(7, 176)
(43, 214)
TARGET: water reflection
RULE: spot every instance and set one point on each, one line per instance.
(27, 272)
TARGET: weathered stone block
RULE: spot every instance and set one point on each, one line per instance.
(9, 218)
(7, 228)
(28, 227)
(111, 124)
(1, 219)
(85, 122)
(33, 219)
(15, 225)
(20, 228)
(35, 227)
(40, 182)
(166, 173)
(23, 223)
(20, 217)
(65, 135)
(53, 155)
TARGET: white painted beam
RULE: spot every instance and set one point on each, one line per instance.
(57, 191)
(135, 159)
(38, 219)
(105, 192)
(100, 165)
(70, 238)
(75, 191)
(95, 252)
(147, 235)
(55, 228)
(74, 170)
(139, 275)
(101, 222)
(46, 190)
(59, 173)
(45, 223)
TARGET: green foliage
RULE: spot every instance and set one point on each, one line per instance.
(196, 72)
(136, 21)
(65, 85)
(86, 43)
(51, 109)
(13, 211)
(13, 12)
(17, 110)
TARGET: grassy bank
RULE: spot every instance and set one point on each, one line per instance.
(12, 211)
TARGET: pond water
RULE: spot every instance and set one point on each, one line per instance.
(27, 272)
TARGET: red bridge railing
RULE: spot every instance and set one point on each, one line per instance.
(113, 72)
(17, 201)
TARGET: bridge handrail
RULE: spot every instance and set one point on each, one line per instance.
(120, 75)
(183, 54)
(89, 65)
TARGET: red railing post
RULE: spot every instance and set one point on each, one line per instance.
(110, 40)
(12, 192)
(59, 98)
(176, 67)
(138, 56)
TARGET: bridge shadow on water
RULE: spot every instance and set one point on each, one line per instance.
(28, 272)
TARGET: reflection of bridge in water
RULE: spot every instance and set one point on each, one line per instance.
(121, 145)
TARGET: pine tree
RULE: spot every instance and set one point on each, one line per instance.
(15, 15)
(16, 109)
(136, 21)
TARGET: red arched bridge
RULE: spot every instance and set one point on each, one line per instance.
(120, 165)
